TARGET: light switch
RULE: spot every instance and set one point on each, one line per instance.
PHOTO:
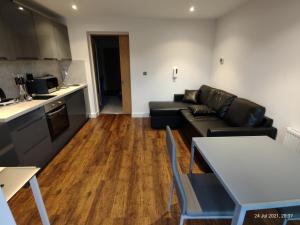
(222, 61)
(175, 73)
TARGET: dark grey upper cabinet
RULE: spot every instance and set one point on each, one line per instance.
(6, 46)
(29, 35)
(62, 41)
(46, 37)
(19, 26)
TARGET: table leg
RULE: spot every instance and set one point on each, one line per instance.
(6, 216)
(238, 216)
(192, 158)
(39, 200)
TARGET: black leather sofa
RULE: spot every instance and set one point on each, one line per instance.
(233, 116)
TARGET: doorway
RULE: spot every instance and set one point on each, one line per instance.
(111, 65)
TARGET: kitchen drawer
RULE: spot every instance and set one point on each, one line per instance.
(5, 137)
(8, 156)
(28, 130)
(39, 155)
(29, 135)
(26, 119)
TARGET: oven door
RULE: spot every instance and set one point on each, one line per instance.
(58, 121)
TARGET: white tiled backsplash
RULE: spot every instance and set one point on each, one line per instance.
(10, 69)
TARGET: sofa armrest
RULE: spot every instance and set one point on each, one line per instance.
(178, 97)
(243, 131)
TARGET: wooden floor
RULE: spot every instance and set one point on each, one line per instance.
(114, 171)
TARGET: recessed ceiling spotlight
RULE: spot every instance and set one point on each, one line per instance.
(192, 9)
(21, 8)
(74, 7)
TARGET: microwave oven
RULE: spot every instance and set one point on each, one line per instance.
(43, 85)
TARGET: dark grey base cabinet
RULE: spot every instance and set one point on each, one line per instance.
(77, 111)
(26, 141)
(31, 139)
(8, 156)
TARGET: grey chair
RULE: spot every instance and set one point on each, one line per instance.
(200, 196)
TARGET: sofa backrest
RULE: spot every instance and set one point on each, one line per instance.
(205, 94)
(244, 113)
(216, 99)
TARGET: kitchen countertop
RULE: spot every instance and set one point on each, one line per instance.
(10, 112)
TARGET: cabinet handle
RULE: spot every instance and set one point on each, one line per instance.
(27, 58)
(28, 124)
(5, 149)
(50, 58)
(56, 111)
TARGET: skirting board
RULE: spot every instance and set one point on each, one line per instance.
(94, 115)
(140, 115)
(134, 115)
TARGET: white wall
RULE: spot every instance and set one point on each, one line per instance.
(260, 43)
(156, 46)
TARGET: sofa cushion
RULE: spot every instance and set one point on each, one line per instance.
(167, 108)
(216, 99)
(190, 96)
(187, 115)
(201, 110)
(244, 113)
(220, 101)
(202, 126)
(204, 94)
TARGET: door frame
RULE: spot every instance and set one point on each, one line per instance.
(92, 65)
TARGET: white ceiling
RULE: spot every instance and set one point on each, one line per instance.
(142, 8)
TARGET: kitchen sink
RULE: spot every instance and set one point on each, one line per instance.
(42, 97)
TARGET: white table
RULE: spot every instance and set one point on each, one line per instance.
(257, 172)
(12, 180)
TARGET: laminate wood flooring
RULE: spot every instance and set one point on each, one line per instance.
(115, 171)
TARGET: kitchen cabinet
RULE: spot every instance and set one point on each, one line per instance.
(76, 110)
(31, 138)
(62, 41)
(6, 46)
(19, 26)
(30, 35)
(45, 37)
(53, 38)
(8, 156)
(26, 141)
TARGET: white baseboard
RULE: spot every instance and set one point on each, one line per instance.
(134, 115)
(93, 115)
(140, 115)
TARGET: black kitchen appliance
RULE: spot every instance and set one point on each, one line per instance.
(4, 100)
(42, 85)
(2, 95)
(30, 83)
(57, 118)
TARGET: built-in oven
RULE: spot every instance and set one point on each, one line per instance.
(57, 118)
